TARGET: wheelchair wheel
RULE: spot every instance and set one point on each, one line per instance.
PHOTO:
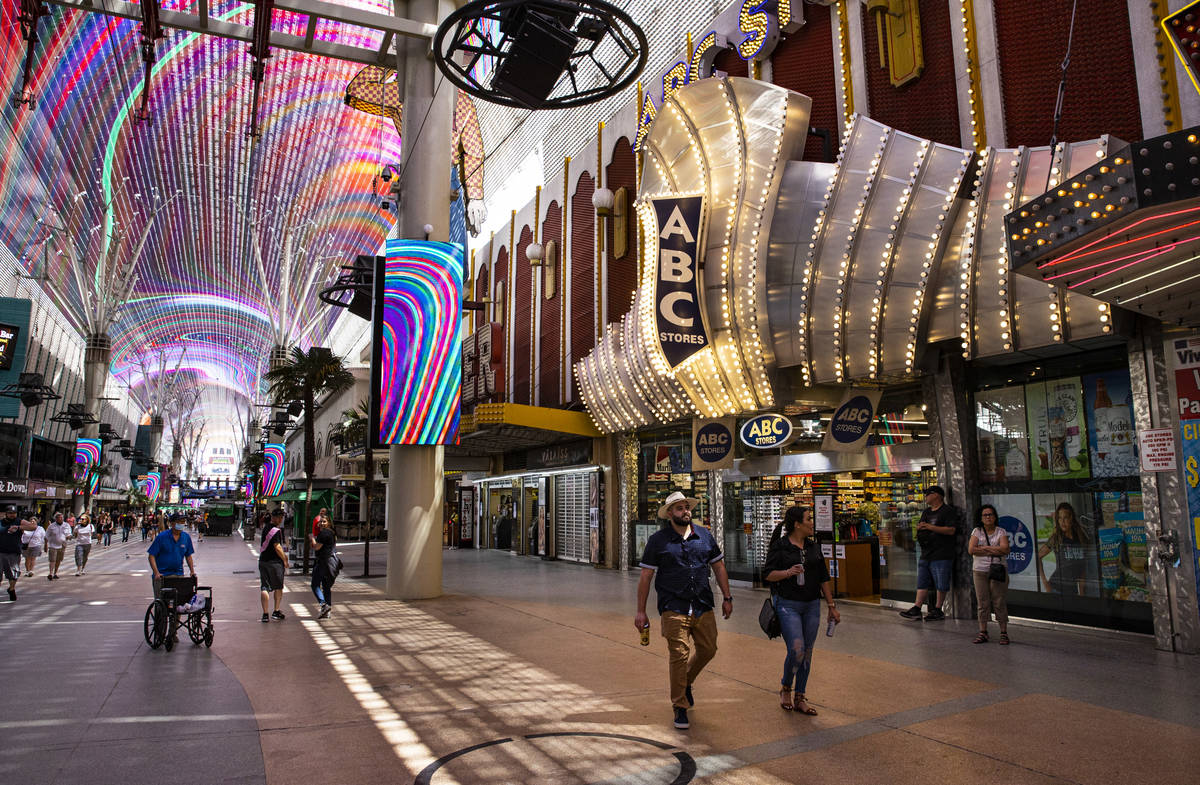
(209, 632)
(195, 628)
(155, 627)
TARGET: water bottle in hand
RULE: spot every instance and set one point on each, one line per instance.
(829, 628)
(800, 576)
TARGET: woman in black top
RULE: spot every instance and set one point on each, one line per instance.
(798, 576)
(323, 544)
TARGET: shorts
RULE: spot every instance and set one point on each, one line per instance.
(270, 575)
(10, 566)
(34, 552)
(934, 574)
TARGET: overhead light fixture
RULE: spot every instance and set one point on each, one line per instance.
(30, 389)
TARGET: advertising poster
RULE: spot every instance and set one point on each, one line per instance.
(1057, 431)
(1068, 559)
(1016, 518)
(823, 513)
(467, 515)
(1003, 440)
(670, 459)
(678, 293)
(850, 424)
(1112, 443)
(712, 443)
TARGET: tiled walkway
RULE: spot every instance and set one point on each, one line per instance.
(530, 672)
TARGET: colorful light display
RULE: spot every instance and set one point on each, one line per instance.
(87, 451)
(417, 360)
(80, 149)
(272, 470)
(152, 485)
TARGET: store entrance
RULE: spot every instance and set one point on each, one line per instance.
(865, 523)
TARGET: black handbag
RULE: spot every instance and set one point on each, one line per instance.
(768, 620)
(996, 570)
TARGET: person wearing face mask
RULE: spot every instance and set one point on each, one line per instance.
(169, 551)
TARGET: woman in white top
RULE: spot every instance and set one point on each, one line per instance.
(989, 545)
(83, 541)
(31, 546)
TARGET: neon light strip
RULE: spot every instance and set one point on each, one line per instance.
(1080, 252)
(1107, 262)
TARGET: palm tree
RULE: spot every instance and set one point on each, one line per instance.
(305, 377)
(135, 497)
(355, 432)
(84, 484)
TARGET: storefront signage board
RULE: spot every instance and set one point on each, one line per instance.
(18, 488)
(679, 305)
(823, 513)
(1157, 447)
(850, 425)
(712, 443)
(1184, 354)
(766, 431)
(14, 316)
(1017, 519)
(556, 456)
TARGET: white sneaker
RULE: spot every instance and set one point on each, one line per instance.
(325, 611)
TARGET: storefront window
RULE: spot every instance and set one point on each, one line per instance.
(665, 466)
(1058, 459)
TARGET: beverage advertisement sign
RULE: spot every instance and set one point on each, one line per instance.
(1057, 432)
(1111, 440)
(1003, 441)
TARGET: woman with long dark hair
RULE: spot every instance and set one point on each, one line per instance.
(799, 577)
(1069, 543)
(989, 546)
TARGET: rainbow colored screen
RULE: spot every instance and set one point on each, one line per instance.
(151, 485)
(417, 364)
(272, 470)
(87, 451)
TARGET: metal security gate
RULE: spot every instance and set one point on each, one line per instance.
(572, 535)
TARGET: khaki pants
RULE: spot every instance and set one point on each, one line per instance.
(992, 595)
(688, 658)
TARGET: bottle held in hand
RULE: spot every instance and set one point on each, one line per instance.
(800, 576)
(829, 628)
(646, 634)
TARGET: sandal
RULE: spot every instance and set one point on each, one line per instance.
(809, 710)
(785, 700)
(982, 637)
(1004, 639)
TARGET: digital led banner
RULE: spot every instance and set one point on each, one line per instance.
(87, 451)
(272, 469)
(416, 369)
(14, 344)
(151, 485)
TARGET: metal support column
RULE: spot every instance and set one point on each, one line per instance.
(627, 493)
(1172, 588)
(954, 453)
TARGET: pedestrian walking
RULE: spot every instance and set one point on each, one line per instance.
(106, 528)
(272, 562)
(145, 526)
(323, 574)
(679, 557)
(937, 535)
(989, 547)
(32, 542)
(57, 533)
(83, 533)
(799, 579)
(126, 525)
(11, 529)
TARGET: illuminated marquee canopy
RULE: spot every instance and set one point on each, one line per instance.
(842, 271)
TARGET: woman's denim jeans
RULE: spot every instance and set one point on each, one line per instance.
(799, 620)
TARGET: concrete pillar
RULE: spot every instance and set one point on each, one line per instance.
(97, 354)
(156, 432)
(415, 481)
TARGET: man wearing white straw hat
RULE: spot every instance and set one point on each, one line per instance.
(682, 555)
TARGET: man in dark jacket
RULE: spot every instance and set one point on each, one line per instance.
(937, 534)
